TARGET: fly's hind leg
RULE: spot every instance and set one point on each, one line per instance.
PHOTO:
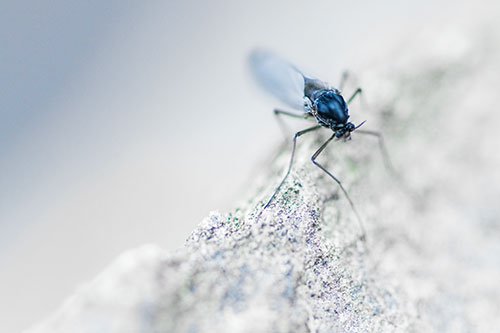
(343, 79)
(358, 91)
(278, 113)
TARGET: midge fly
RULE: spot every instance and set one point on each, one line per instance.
(316, 98)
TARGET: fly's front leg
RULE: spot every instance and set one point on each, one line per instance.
(390, 167)
(383, 150)
(313, 158)
(310, 129)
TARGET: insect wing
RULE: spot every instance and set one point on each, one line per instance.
(279, 77)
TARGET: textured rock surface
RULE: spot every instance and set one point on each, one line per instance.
(430, 262)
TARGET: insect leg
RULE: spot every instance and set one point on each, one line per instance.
(284, 129)
(313, 158)
(291, 160)
(343, 79)
(415, 196)
(358, 91)
(383, 150)
(277, 112)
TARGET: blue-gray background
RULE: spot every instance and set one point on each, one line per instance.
(126, 122)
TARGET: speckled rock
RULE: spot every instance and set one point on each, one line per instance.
(430, 261)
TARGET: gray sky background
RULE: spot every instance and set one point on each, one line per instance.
(126, 122)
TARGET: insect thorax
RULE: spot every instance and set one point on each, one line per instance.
(328, 107)
(310, 109)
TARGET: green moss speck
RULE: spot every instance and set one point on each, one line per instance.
(352, 164)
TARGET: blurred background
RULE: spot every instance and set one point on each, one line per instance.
(126, 122)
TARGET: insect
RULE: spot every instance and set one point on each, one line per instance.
(316, 99)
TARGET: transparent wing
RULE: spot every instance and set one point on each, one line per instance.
(278, 77)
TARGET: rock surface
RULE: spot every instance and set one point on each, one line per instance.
(430, 261)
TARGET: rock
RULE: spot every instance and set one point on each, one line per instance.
(430, 261)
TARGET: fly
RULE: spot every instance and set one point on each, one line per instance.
(316, 99)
